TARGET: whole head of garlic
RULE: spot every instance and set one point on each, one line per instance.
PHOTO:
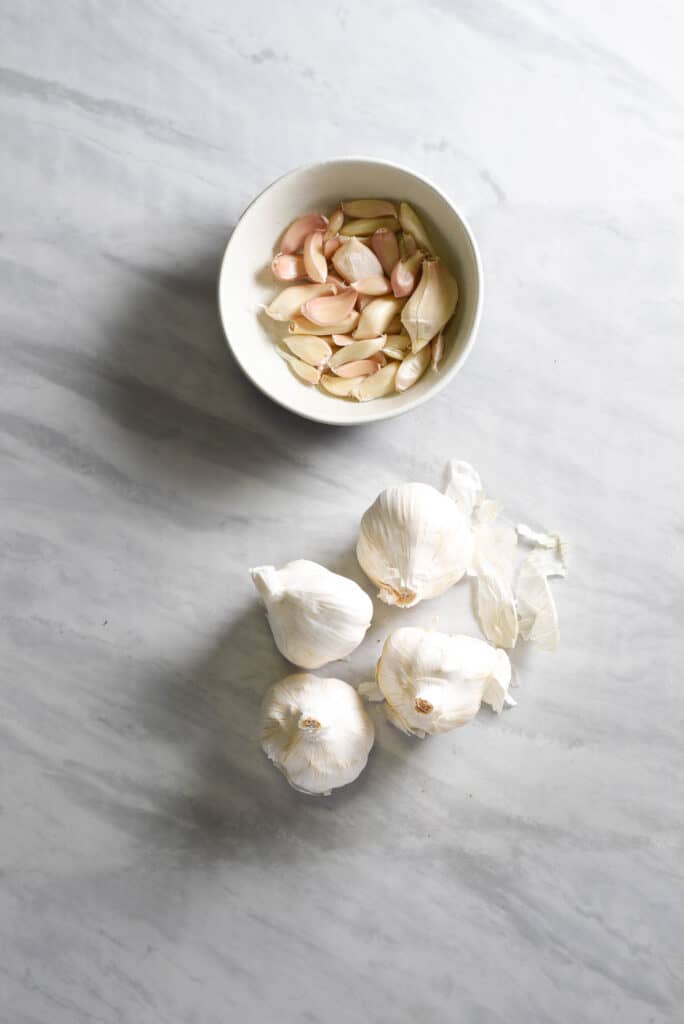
(316, 731)
(433, 682)
(315, 615)
(414, 543)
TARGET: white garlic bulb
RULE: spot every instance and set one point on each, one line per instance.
(316, 731)
(414, 543)
(315, 615)
(433, 682)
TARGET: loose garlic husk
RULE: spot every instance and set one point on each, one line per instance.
(433, 682)
(315, 615)
(432, 304)
(414, 542)
(316, 731)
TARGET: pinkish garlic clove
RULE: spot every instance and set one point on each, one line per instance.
(334, 224)
(288, 268)
(331, 245)
(314, 260)
(405, 275)
(354, 261)
(357, 368)
(295, 236)
(330, 309)
(385, 246)
(377, 284)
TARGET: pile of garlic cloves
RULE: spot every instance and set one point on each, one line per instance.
(369, 321)
(414, 543)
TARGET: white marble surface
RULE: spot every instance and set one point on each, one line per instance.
(154, 867)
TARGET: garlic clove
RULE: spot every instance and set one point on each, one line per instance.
(289, 302)
(431, 305)
(316, 732)
(368, 226)
(331, 245)
(405, 275)
(314, 260)
(412, 369)
(357, 350)
(366, 208)
(437, 351)
(309, 348)
(396, 326)
(433, 682)
(412, 225)
(357, 368)
(294, 237)
(302, 325)
(385, 246)
(309, 374)
(354, 261)
(493, 563)
(410, 246)
(288, 268)
(378, 385)
(330, 309)
(377, 316)
(316, 616)
(342, 339)
(341, 387)
(414, 543)
(373, 286)
(334, 224)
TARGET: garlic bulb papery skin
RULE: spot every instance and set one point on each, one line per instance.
(414, 543)
(315, 615)
(433, 682)
(494, 564)
(316, 731)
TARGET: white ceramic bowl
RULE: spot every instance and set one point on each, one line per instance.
(246, 283)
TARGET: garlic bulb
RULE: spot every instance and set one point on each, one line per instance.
(315, 615)
(316, 731)
(433, 682)
(414, 543)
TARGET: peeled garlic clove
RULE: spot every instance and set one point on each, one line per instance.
(377, 316)
(359, 368)
(316, 616)
(385, 246)
(302, 325)
(309, 348)
(432, 304)
(405, 275)
(437, 351)
(414, 543)
(330, 309)
(412, 369)
(433, 682)
(357, 350)
(378, 385)
(309, 374)
(316, 732)
(288, 268)
(331, 245)
(411, 223)
(369, 226)
(341, 387)
(493, 563)
(375, 285)
(365, 208)
(289, 302)
(334, 224)
(314, 260)
(294, 237)
(354, 261)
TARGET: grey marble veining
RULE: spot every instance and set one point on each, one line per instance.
(153, 866)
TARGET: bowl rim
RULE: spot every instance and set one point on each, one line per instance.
(370, 414)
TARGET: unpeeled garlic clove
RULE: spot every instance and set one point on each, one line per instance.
(331, 245)
(294, 237)
(412, 369)
(366, 208)
(330, 309)
(288, 268)
(354, 261)
(375, 285)
(410, 246)
(302, 325)
(341, 387)
(342, 339)
(309, 374)
(289, 302)
(377, 316)
(377, 385)
(385, 246)
(363, 301)
(357, 368)
(437, 348)
(334, 224)
(412, 225)
(314, 260)
(357, 350)
(432, 304)
(397, 345)
(369, 226)
(309, 348)
(405, 275)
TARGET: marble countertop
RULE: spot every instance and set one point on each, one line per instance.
(153, 865)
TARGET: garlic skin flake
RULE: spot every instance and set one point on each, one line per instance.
(315, 615)
(414, 543)
(316, 731)
(433, 682)
(493, 563)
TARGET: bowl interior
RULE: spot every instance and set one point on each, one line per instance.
(246, 283)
